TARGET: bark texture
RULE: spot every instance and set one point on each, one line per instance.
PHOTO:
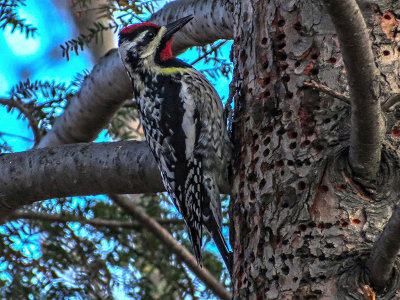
(78, 170)
(302, 225)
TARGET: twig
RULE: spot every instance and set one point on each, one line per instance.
(16, 136)
(386, 105)
(64, 218)
(213, 48)
(384, 252)
(27, 113)
(389, 103)
(166, 238)
(323, 88)
(367, 128)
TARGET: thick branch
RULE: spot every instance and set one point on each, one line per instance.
(384, 252)
(169, 242)
(108, 86)
(363, 76)
(75, 170)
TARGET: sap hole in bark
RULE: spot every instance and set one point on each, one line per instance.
(266, 152)
(262, 184)
(279, 163)
(255, 148)
(332, 60)
(282, 45)
(243, 56)
(323, 189)
(286, 78)
(305, 144)
(299, 163)
(301, 185)
(302, 227)
(297, 26)
(314, 55)
(395, 131)
(318, 147)
(284, 66)
(293, 145)
(267, 129)
(266, 93)
(321, 226)
(329, 246)
(314, 71)
(264, 41)
(252, 177)
(386, 52)
(267, 79)
(281, 131)
(280, 36)
(281, 23)
(297, 64)
(281, 55)
(267, 141)
(246, 73)
(387, 16)
(275, 277)
(252, 195)
(356, 221)
(398, 49)
(326, 121)
(292, 134)
(344, 223)
(289, 95)
(322, 257)
(312, 224)
(285, 270)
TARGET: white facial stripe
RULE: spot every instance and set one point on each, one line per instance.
(151, 48)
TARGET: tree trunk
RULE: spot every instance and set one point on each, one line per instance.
(302, 223)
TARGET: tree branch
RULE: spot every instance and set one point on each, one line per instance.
(384, 252)
(166, 238)
(107, 87)
(28, 114)
(77, 170)
(96, 222)
(363, 76)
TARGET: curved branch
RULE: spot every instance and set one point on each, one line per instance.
(77, 170)
(28, 114)
(363, 76)
(384, 252)
(166, 238)
(106, 88)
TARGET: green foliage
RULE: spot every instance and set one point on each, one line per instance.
(89, 261)
(128, 12)
(9, 17)
(42, 101)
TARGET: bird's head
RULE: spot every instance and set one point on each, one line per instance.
(148, 42)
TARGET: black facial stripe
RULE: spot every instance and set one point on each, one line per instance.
(134, 34)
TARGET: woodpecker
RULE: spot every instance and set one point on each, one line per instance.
(183, 121)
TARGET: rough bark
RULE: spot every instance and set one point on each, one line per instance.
(302, 226)
(107, 87)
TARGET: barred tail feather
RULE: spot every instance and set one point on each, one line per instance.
(216, 233)
(195, 236)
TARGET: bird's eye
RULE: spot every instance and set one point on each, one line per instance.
(150, 35)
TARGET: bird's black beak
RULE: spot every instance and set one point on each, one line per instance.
(175, 26)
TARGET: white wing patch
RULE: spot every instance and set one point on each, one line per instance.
(188, 124)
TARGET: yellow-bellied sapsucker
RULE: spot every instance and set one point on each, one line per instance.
(183, 121)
